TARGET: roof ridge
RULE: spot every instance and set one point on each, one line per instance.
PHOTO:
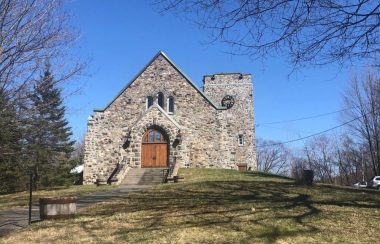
(176, 67)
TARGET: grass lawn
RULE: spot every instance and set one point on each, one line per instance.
(221, 206)
(21, 199)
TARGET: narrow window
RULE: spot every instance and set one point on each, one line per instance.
(170, 105)
(149, 102)
(160, 99)
(241, 140)
(233, 156)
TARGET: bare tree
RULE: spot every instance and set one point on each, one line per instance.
(297, 167)
(364, 96)
(78, 153)
(334, 159)
(349, 160)
(312, 32)
(320, 157)
(33, 32)
(272, 157)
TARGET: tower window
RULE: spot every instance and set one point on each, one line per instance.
(160, 99)
(170, 105)
(149, 102)
(241, 140)
(233, 154)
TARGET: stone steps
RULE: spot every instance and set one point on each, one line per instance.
(144, 176)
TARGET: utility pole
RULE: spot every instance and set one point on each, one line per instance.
(30, 195)
(363, 165)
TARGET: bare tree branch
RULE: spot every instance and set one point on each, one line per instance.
(310, 32)
(32, 33)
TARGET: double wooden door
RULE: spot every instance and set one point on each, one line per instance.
(154, 150)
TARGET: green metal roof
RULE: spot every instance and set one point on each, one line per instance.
(177, 68)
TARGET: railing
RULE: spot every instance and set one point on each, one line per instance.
(114, 172)
(165, 175)
(168, 173)
(122, 172)
(118, 173)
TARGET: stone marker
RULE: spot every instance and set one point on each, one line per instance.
(57, 208)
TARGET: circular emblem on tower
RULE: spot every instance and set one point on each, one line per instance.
(228, 101)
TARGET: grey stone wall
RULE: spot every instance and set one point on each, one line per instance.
(208, 132)
(238, 120)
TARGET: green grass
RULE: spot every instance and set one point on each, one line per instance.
(221, 206)
(21, 199)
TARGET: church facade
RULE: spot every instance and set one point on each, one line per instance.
(162, 118)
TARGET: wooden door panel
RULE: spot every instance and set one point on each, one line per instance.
(148, 155)
(157, 163)
(154, 155)
(161, 155)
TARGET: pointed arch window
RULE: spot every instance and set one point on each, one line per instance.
(170, 105)
(160, 99)
(149, 102)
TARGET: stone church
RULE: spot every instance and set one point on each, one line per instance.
(161, 118)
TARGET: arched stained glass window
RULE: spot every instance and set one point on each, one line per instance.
(153, 136)
(170, 105)
(160, 99)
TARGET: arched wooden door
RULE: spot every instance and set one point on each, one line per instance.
(154, 150)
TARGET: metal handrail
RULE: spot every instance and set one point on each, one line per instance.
(165, 175)
(167, 172)
(118, 166)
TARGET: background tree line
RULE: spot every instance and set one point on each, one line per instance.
(340, 158)
(34, 63)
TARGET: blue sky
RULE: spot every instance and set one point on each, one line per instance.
(120, 37)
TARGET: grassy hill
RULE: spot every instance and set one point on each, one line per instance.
(221, 206)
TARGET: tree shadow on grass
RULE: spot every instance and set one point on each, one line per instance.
(252, 208)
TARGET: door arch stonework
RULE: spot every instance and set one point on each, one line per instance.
(153, 118)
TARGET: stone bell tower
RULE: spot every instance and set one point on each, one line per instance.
(233, 92)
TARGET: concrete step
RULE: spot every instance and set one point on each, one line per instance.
(144, 176)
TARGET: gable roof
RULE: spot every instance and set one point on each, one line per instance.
(176, 68)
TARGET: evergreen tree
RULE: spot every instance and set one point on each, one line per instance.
(12, 174)
(49, 140)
